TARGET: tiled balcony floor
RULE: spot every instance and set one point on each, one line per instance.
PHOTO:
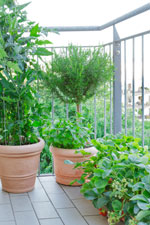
(48, 204)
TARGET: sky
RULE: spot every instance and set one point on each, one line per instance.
(86, 13)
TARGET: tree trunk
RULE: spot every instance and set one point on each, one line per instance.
(78, 108)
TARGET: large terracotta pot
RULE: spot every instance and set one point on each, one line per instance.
(18, 166)
(66, 173)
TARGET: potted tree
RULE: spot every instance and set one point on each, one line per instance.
(74, 77)
(20, 45)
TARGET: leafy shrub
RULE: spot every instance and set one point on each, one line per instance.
(117, 180)
(70, 134)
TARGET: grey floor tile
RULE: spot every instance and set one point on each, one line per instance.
(8, 223)
(56, 221)
(72, 192)
(4, 197)
(38, 195)
(21, 203)
(47, 179)
(26, 218)
(52, 187)
(96, 220)
(20, 194)
(6, 213)
(37, 184)
(60, 200)
(71, 216)
(85, 207)
(45, 210)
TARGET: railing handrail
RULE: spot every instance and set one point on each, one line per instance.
(104, 26)
(106, 44)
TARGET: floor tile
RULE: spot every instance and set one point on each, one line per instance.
(6, 212)
(51, 222)
(52, 187)
(26, 218)
(44, 210)
(60, 200)
(72, 192)
(21, 203)
(38, 195)
(20, 194)
(47, 179)
(96, 220)
(8, 223)
(85, 207)
(4, 197)
(71, 216)
(37, 184)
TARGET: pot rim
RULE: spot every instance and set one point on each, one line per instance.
(67, 152)
(21, 149)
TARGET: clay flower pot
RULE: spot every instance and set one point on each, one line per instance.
(18, 166)
(66, 173)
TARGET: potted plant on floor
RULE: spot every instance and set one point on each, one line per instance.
(70, 141)
(74, 77)
(20, 45)
(118, 180)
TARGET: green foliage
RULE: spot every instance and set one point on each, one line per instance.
(76, 76)
(19, 45)
(70, 134)
(118, 178)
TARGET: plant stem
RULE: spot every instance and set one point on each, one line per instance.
(78, 108)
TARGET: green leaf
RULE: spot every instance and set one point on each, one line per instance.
(42, 52)
(90, 195)
(101, 183)
(100, 202)
(8, 99)
(43, 42)
(14, 66)
(143, 205)
(139, 197)
(117, 205)
(3, 54)
(142, 214)
(146, 179)
(34, 31)
(20, 7)
(138, 186)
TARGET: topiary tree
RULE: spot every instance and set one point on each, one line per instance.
(76, 76)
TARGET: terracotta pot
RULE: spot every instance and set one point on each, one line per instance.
(18, 166)
(66, 173)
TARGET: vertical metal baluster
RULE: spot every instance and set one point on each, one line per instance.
(142, 90)
(117, 94)
(67, 105)
(110, 96)
(53, 111)
(104, 111)
(4, 119)
(81, 108)
(133, 88)
(95, 119)
(39, 166)
(125, 87)
(67, 111)
(104, 107)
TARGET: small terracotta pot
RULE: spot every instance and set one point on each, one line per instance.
(18, 166)
(66, 173)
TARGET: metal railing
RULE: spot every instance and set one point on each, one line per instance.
(118, 106)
